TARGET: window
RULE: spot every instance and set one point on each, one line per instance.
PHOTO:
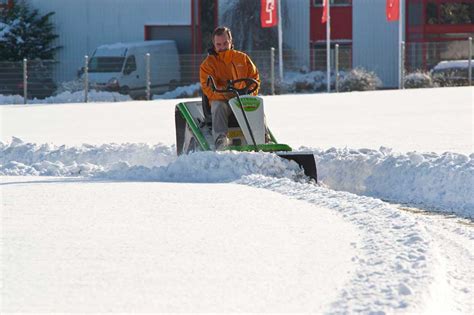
(106, 64)
(319, 3)
(449, 13)
(415, 13)
(130, 65)
(431, 13)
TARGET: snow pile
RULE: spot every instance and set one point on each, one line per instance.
(359, 79)
(417, 80)
(307, 81)
(427, 180)
(139, 162)
(20, 158)
(72, 92)
(181, 92)
(11, 99)
(424, 179)
(68, 97)
(209, 167)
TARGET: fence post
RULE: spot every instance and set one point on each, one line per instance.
(272, 70)
(402, 66)
(25, 81)
(86, 79)
(469, 65)
(148, 77)
(337, 67)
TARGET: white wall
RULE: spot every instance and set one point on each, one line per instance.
(296, 32)
(83, 25)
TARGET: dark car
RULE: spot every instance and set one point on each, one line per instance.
(451, 73)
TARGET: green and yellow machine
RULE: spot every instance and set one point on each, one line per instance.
(247, 127)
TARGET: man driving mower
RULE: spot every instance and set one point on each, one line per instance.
(223, 64)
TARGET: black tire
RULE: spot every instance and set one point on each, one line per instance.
(125, 90)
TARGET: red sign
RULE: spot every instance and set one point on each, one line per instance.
(268, 13)
(392, 10)
(324, 17)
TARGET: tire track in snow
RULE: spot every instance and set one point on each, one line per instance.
(453, 244)
(395, 260)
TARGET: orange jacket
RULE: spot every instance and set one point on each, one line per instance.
(223, 66)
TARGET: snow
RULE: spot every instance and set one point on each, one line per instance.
(439, 182)
(99, 215)
(68, 97)
(4, 31)
(429, 180)
(167, 252)
(97, 96)
(180, 92)
(450, 64)
(123, 46)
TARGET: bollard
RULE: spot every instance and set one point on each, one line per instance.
(337, 67)
(25, 81)
(148, 77)
(402, 66)
(86, 79)
(272, 70)
(469, 65)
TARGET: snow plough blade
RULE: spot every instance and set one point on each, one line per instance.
(305, 161)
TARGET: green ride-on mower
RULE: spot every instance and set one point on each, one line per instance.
(247, 130)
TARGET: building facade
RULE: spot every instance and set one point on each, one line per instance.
(84, 25)
(433, 30)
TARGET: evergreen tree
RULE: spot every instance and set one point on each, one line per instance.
(25, 33)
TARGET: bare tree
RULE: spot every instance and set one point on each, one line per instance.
(243, 17)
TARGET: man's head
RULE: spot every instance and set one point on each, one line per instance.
(222, 39)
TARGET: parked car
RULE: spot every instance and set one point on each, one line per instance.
(121, 67)
(452, 73)
(40, 83)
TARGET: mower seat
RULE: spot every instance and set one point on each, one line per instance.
(206, 109)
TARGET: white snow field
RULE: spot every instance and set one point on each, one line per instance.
(99, 215)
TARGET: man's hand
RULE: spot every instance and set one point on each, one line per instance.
(229, 95)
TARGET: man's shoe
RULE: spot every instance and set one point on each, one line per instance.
(221, 142)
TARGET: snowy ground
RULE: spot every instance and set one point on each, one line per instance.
(109, 219)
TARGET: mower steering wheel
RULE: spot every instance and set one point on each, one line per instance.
(251, 85)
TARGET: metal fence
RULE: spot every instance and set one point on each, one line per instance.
(28, 78)
(449, 63)
(424, 56)
(36, 78)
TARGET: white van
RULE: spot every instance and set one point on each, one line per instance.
(121, 67)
